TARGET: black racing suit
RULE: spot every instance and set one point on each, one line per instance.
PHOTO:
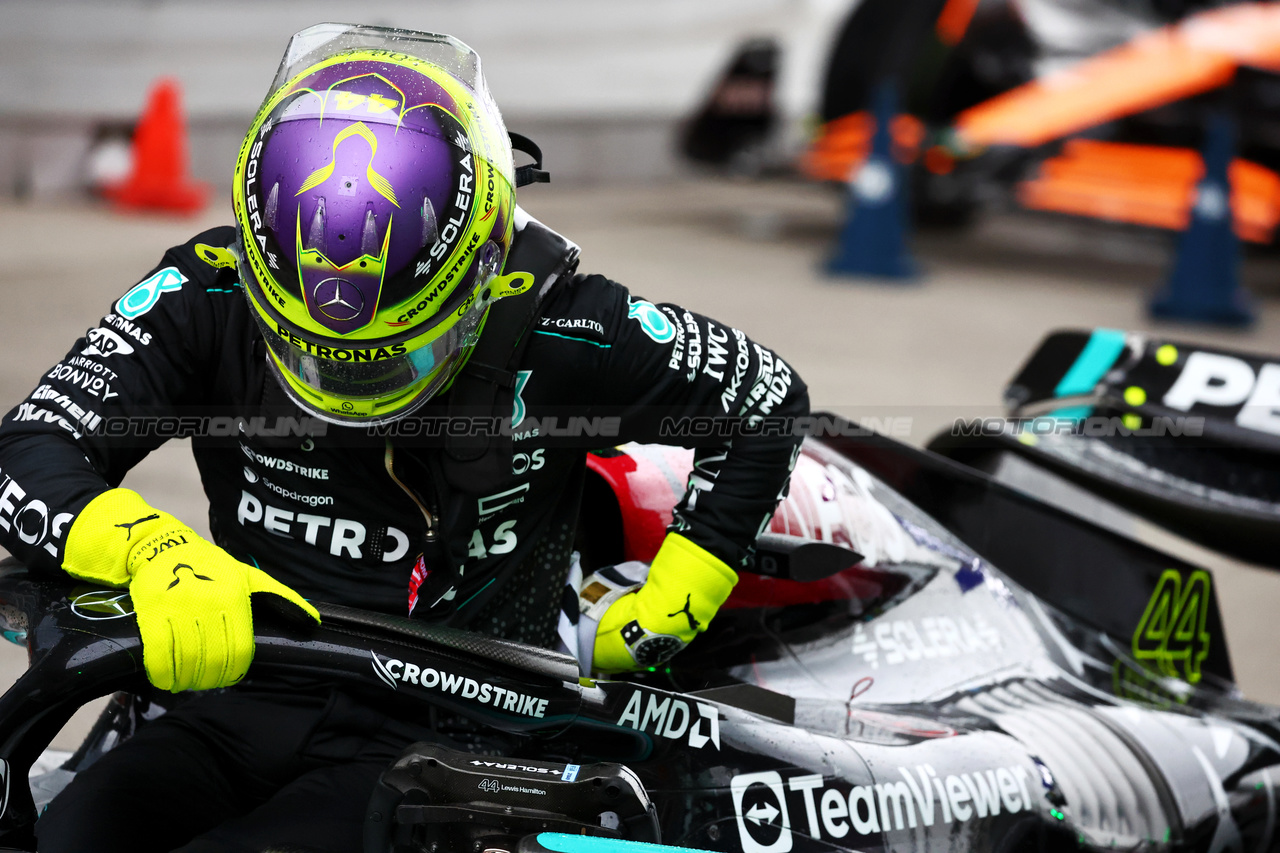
(364, 516)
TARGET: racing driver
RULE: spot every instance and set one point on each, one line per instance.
(379, 280)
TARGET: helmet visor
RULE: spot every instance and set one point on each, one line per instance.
(324, 40)
(370, 386)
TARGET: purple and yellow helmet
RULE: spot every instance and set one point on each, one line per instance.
(374, 198)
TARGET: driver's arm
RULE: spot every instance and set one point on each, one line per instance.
(663, 365)
(93, 416)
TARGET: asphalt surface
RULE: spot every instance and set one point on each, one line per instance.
(910, 357)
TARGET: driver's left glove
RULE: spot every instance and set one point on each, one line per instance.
(644, 625)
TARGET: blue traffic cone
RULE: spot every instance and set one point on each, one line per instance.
(873, 241)
(1205, 284)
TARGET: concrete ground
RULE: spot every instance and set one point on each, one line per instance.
(749, 255)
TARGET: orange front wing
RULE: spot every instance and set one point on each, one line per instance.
(1148, 185)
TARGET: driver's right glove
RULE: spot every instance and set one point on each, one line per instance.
(192, 598)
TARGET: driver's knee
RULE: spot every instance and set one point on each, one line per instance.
(81, 820)
(322, 811)
(153, 792)
(93, 818)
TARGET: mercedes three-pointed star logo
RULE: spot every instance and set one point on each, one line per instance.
(338, 299)
(102, 604)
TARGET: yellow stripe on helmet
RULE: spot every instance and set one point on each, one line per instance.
(379, 183)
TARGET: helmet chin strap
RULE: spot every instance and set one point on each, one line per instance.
(531, 173)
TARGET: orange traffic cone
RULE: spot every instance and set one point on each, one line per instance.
(159, 179)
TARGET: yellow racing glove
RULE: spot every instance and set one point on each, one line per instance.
(644, 625)
(192, 598)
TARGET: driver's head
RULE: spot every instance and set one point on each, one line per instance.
(374, 200)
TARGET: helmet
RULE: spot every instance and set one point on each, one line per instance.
(374, 200)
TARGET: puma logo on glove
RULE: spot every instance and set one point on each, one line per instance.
(195, 636)
(646, 626)
(129, 525)
(694, 624)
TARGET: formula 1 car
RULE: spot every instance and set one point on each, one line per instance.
(873, 684)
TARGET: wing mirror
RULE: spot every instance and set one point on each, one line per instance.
(795, 558)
